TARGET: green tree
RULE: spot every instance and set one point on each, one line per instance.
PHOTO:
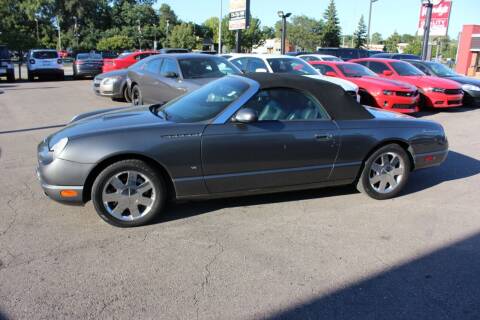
(360, 35)
(392, 42)
(182, 36)
(304, 32)
(414, 47)
(116, 43)
(377, 38)
(331, 30)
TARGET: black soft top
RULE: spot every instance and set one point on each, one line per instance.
(339, 104)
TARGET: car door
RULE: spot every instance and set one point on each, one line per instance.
(169, 82)
(149, 80)
(294, 142)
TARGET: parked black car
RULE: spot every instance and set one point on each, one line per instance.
(344, 53)
(87, 65)
(235, 136)
(6, 66)
(397, 56)
(160, 78)
(470, 86)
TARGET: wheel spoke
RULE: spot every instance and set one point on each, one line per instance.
(117, 183)
(383, 184)
(134, 211)
(397, 171)
(144, 187)
(119, 208)
(385, 160)
(376, 167)
(144, 201)
(112, 197)
(375, 179)
(132, 178)
(391, 181)
(395, 161)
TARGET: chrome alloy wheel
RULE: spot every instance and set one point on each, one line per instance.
(386, 172)
(128, 195)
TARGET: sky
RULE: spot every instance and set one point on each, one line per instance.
(387, 15)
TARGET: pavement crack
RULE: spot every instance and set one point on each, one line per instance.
(12, 222)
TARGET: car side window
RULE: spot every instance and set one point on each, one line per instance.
(254, 64)
(323, 68)
(422, 68)
(241, 63)
(169, 66)
(285, 104)
(378, 67)
(363, 63)
(153, 66)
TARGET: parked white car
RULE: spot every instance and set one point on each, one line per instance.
(270, 63)
(44, 63)
(318, 57)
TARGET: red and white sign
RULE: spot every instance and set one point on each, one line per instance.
(440, 18)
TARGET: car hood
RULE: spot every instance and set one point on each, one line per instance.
(431, 82)
(384, 84)
(345, 84)
(116, 73)
(464, 80)
(107, 120)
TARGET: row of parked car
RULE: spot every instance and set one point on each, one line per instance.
(403, 86)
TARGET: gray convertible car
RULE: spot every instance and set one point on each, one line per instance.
(160, 78)
(238, 135)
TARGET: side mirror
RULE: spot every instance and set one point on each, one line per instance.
(387, 73)
(261, 70)
(172, 75)
(331, 74)
(246, 115)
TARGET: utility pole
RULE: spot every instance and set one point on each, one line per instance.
(284, 17)
(238, 37)
(75, 32)
(220, 28)
(426, 28)
(36, 23)
(369, 22)
(166, 36)
(59, 34)
(139, 34)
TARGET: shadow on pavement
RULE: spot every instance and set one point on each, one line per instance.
(444, 284)
(456, 166)
(3, 316)
(429, 112)
(32, 129)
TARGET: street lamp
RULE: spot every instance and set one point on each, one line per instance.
(369, 22)
(139, 34)
(36, 24)
(426, 28)
(284, 17)
(75, 32)
(220, 28)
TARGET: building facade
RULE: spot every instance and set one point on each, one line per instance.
(468, 55)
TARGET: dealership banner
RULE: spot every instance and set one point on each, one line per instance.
(239, 14)
(440, 18)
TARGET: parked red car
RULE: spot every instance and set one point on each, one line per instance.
(374, 91)
(125, 60)
(435, 92)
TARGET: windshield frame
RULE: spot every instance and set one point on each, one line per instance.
(297, 60)
(418, 72)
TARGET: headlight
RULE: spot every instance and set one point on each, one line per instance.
(388, 92)
(58, 147)
(439, 90)
(110, 80)
(470, 87)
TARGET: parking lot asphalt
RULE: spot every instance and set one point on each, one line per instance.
(318, 254)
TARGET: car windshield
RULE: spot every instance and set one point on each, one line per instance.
(87, 56)
(291, 66)
(406, 69)
(355, 70)
(45, 55)
(441, 70)
(208, 67)
(205, 103)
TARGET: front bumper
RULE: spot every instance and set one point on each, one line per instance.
(471, 98)
(54, 192)
(442, 100)
(113, 90)
(397, 103)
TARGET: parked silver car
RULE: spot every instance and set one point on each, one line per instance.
(163, 77)
(112, 84)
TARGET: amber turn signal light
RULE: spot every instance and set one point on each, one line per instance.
(68, 193)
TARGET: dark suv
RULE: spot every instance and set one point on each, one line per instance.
(6, 66)
(344, 53)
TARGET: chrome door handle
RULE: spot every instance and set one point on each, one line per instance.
(323, 136)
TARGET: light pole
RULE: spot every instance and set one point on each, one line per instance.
(75, 32)
(220, 28)
(284, 17)
(139, 34)
(166, 37)
(369, 22)
(426, 28)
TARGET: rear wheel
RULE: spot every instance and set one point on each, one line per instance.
(136, 95)
(11, 76)
(385, 172)
(30, 76)
(128, 193)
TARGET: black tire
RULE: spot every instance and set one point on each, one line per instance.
(61, 77)
(117, 168)
(124, 97)
(137, 99)
(30, 76)
(11, 76)
(365, 182)
(126, 94)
